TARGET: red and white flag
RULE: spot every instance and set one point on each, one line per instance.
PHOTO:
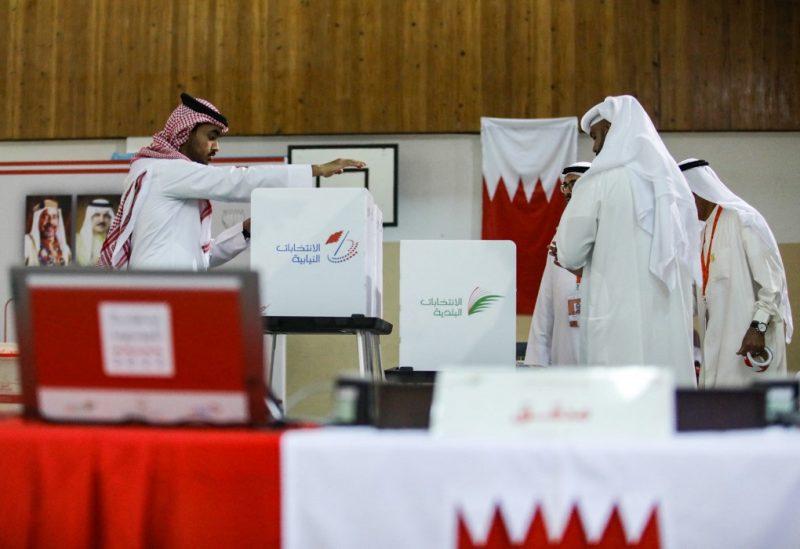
(522, 163)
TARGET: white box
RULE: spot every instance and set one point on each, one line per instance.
(318, 252)
(458, 302)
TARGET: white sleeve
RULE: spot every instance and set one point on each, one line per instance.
(228, 244)
(187, 180)
(540, 337)
(577, 228)
(767, 275)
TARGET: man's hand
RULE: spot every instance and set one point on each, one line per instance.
(246, 225)
(335, 166)
(553, 250)
(752, 343)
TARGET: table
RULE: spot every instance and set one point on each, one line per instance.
(138, 487)
(393, 490)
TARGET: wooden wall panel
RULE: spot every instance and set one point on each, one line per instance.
(105, 68)
(560, 58)
(730, 64)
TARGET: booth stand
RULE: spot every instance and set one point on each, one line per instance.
(366, 329)
(319, 256)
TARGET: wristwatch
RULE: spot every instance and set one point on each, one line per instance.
(760, 327)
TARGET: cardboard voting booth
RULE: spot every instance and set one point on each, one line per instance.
(318, 252)
(457, 303)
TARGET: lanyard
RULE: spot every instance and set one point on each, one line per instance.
(705, 261)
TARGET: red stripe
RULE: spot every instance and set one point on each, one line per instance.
(122, 163)
(53, 172)
(68, 163)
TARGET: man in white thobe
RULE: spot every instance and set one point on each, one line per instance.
(554, 337)
(164, 219)
(626, 227)
(743, 301)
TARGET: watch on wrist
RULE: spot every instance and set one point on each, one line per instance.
(760, 327)
(245, 233)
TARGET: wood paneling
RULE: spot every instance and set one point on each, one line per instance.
(107, 68)
(547, 59)
(730, 64)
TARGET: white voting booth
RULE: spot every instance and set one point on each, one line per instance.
(458, 302)
(319, 252)
(319, 255)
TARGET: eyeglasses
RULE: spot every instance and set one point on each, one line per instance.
(566, 186)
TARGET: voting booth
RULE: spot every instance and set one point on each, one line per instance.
(457, 303)
(318, 252)
(319, 255)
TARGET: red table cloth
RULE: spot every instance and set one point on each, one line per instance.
(89, 486)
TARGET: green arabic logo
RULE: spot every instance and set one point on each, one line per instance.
(480, 300)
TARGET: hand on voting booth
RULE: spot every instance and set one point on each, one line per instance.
(335, 167)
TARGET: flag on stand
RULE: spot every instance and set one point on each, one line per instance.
(522, 163)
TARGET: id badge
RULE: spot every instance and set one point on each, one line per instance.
(574, 308)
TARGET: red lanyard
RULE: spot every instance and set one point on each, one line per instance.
(705, 261)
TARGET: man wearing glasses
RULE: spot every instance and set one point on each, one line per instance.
(554, 337)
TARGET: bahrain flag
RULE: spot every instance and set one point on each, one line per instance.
(522, 163)
(574, 536)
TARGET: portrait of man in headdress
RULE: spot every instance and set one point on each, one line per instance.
(49, 220)
(94, 216)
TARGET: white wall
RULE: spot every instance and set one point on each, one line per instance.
(439, 192)
(761, 167)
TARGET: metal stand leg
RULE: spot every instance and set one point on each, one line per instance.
(273, 346)
(363, 354)
(376, 350)
(369, 366)
(369, 356)
(273, 404)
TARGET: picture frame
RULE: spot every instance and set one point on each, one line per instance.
(101, 209)
(379, 175)
(48, 217)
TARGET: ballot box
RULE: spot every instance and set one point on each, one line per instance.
(458, 301)
(318, 252)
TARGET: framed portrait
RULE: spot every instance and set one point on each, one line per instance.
(48, 231)
(379, 176)
(93, 217)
